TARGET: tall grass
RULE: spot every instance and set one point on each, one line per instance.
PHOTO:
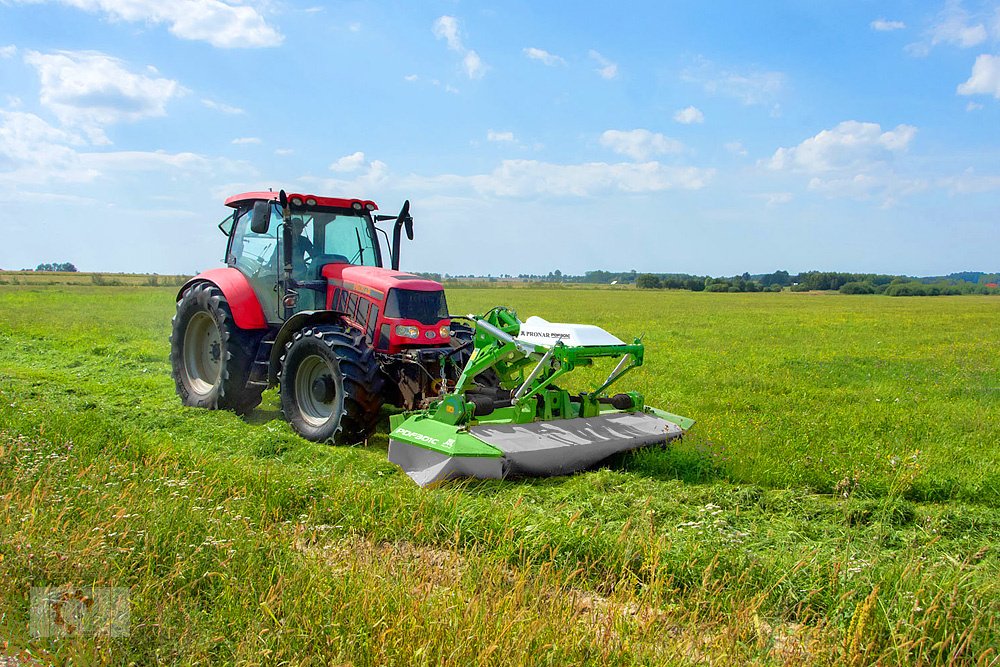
(240, 542)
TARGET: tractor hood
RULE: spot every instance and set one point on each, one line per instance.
(379, 279)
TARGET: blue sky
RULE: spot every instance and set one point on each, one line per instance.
(671, 137)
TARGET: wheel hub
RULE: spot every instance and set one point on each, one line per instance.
(323, 390)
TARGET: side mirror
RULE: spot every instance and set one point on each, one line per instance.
(261, 217)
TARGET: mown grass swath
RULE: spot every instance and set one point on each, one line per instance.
(837, 501)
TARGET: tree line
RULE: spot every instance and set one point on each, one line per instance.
(965, 282)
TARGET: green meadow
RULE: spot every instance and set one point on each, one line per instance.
(836, 502)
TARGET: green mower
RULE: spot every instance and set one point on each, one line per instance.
(506, 417)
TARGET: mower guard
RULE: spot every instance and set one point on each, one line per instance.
(537, 449)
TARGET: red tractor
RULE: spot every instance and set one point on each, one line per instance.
(306, 304)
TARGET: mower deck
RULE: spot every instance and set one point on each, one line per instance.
(536, 449)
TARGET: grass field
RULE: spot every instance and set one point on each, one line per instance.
(837, 502)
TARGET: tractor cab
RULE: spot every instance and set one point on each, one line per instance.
(303, 253)
(320, 231)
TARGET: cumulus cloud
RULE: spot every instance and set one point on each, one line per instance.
(736, 148)
(473, 64)
(34, 152)
(776, 198)
(606, 69)
(243, 141)
(884, 25)
(222, 108)
(90, 90)
(529, 178)
(8, 51)
(970, 182)
(689, 115)
(852, 159)
(639, 144)
(349, 163)
(749, 86)
(499, 136)
(954, 26)
(543, 56)
(985, 78)
(446, 28)
(219, 23)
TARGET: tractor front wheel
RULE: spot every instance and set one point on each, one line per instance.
(331, 389)
(210, 355)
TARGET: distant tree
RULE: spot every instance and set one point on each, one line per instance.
(63, 267)
(777, 278)
(857, 288)
(647, 281)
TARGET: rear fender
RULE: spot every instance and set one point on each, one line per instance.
(239, 294)
(297, 322)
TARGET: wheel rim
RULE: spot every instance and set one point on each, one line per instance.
(315, 405)
(202, 353)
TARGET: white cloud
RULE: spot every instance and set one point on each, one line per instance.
(736, 148)
(527, 179)
(884, 25)
(973, 106)
(607, 70)
(349, 163)
(530, 178)
(969, 182)
(8, 51)
(499, 136)
(222, 108)
(89, 89)
(953, 26)
(849, 145)
(34, 152)
(639, 144)
(283, 151)
(411, 77)
(218, 23)
(243, 141)
(853, 159)
(473, 64)
(689, 115)
(544, 56)
(446, 28)
(749, 86)
(985, 78)
(354, 27)
(776, 198)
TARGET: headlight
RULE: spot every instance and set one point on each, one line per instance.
(445, 331)
(407, 332)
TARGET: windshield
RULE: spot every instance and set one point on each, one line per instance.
(327, 236)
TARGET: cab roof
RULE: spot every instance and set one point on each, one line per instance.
(334, 202)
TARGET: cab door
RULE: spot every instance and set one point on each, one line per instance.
(256, 256)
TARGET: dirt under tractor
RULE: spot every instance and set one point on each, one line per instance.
(306, 303)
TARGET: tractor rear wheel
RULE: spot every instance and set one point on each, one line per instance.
(330, 384)
(210, 355)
